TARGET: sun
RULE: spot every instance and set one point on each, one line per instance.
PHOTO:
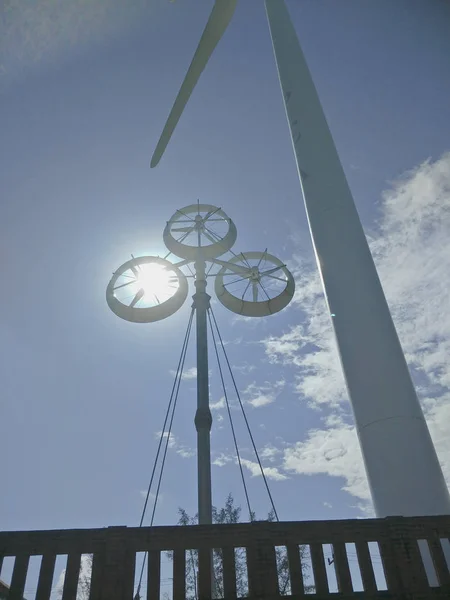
(156, 281)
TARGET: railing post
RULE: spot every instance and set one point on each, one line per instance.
(117, 577)
(402, 561)
(262, 566)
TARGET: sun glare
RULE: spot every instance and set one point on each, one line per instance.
(156, 281)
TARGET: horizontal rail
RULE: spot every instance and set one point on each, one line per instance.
(400, 542)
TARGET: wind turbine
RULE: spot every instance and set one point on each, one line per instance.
(402, 467)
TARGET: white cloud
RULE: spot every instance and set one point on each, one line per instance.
(237, 340)
(172, 440)
(186, 452)
(187, 375)
(270, 453)
(334, 452)
(152, 496)
(245, 368)
(174, 444)
(218, 405)
(261, 395)
(222, 460)
(270, 472)
(411, 248)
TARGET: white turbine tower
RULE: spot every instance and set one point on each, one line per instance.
(402, 467)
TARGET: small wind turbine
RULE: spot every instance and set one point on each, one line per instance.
(404, 474)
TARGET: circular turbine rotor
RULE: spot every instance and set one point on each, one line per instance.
(146, 289)
(255, 284)
(199, 230)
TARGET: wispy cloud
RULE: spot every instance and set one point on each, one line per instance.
(152, 496)
(270, 472)
(218, 405)
(274, 472)
(334, 451)
(261, 395)
(222, 460)
(245, 368)
(188, 374)
(174, 444)
(270, 453)
(411, 247)
(49, 32)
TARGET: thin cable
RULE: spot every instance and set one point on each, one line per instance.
(245, 418)
(175, 389)
(183, 352)
(178, 378)
(169, 431)
(230, 417)
(209, 270)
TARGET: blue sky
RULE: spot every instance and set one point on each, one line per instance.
(85, 90)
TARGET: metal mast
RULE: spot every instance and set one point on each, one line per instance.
(203, 418)
(150, 288)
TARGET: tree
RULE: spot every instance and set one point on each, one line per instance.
(84, 579)
(229, 514)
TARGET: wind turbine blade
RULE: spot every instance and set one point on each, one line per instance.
(218, 21)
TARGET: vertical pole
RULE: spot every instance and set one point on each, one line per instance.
(203, 418)
(402, 467)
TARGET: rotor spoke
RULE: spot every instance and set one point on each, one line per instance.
(245, 291)
(245, 260)
(138, 296)
(124, 284)
(236, 280)
(264, 290)
(213, 233)
(255, 291)
(210, 214)
(236, 269)
(273, 270)
(277, 278)
(183, 229)
(187, 216)
(210, 237)
(183, 237)
(135, 268)
(262, 257)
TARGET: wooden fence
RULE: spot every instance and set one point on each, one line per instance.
(409, 555)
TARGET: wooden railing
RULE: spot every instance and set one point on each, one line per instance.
(409, 566)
